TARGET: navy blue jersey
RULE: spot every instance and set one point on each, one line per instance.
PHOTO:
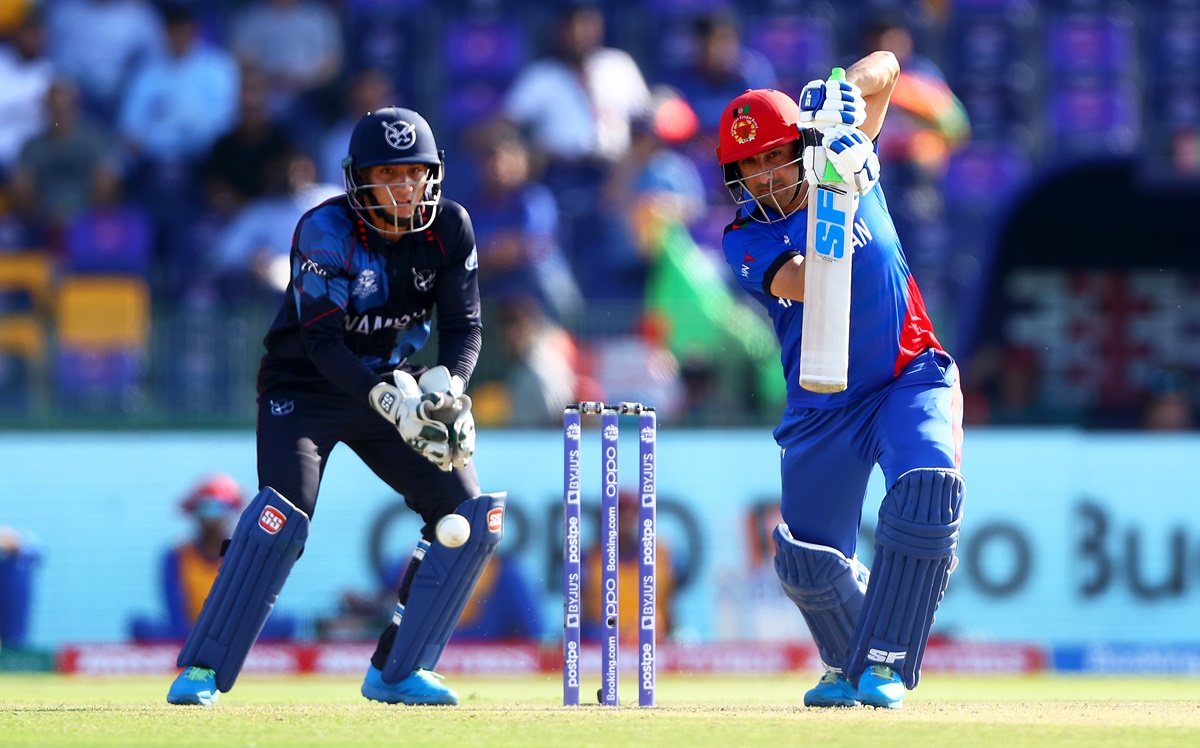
(357, 305)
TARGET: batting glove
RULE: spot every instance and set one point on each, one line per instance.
(852, 155)
(832, 102)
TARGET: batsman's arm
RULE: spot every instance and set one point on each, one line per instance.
(876, 76)
(788, 282)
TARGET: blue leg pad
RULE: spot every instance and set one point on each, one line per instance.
(827, 587)
(441, 587)
(266, 543)
(915, 542)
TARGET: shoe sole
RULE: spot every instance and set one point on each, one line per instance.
(387, 697)
(821, 704)
(882, 704)
(191, 700)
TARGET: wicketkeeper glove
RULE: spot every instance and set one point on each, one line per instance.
(402, 404)
(443, 400)
(852, 155)
(832, 102)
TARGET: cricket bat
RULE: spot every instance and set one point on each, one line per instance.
(825, 333)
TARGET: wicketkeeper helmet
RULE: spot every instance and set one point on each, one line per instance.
(394, 135)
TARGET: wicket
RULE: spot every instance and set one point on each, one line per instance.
(609, 558)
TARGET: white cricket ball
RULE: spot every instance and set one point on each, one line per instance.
(453, 530)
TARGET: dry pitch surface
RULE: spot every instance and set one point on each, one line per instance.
(946, 710)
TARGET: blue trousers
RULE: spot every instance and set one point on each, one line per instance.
(828, 455)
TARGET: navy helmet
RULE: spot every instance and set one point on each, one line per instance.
(394, 135)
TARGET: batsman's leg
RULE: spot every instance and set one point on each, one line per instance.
(829, 589)
(430, 602)
(268, 539)
(915, 542)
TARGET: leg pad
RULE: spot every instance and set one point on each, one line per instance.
(441, 587)
(915, 542)
(827, 587)
(266, 543)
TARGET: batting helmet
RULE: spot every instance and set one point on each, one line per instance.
(757, 121)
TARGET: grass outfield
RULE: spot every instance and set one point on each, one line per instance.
(694, 712)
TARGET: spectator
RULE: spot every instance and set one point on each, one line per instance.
(188, 569)
(296, 44)
(240, 163)
(576, 108)
(721, 68)
(25, 75)
(99, 43)
(578, 104)
(651, 187)
(1168, 405)
(65, 168)
(176, 107)
(178, 104)
(368, 90)
(19, 557)
(251, 257)
(516, 226)
(926, 124)
(543, 374)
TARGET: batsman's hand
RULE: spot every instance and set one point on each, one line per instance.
(832, 102)
(442, 400)
(402, 404)
(850, 152)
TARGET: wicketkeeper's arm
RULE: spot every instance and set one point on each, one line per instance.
(876, 76)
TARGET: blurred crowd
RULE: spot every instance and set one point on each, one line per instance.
(155, 156)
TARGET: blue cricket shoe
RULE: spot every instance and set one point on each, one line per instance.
(880, 686)
(421, 687)
(195, 685)
(832, 690)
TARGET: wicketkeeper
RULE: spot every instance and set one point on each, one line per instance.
(368, 269)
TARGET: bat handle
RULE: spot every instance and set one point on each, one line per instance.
(831, 175)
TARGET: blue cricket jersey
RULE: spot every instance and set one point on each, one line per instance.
(889, 326)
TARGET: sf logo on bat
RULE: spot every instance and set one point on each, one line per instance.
(831, 223)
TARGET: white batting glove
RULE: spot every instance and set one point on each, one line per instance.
(402, 404)
(443, 401)
(832, 102)
(850, 152)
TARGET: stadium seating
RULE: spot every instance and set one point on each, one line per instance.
(25, 290)
(102, 324)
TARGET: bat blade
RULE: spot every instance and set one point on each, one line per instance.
(825, 334)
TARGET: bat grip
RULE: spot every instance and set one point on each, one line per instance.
(831, 174)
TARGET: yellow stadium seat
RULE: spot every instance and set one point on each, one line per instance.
(103, 312)
(23, 335)
(30, 271)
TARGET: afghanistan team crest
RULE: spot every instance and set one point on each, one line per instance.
(744, 127)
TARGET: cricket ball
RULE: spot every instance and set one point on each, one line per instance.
(453, 530)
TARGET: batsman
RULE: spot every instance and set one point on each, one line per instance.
(900, 408)
(368, 269)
